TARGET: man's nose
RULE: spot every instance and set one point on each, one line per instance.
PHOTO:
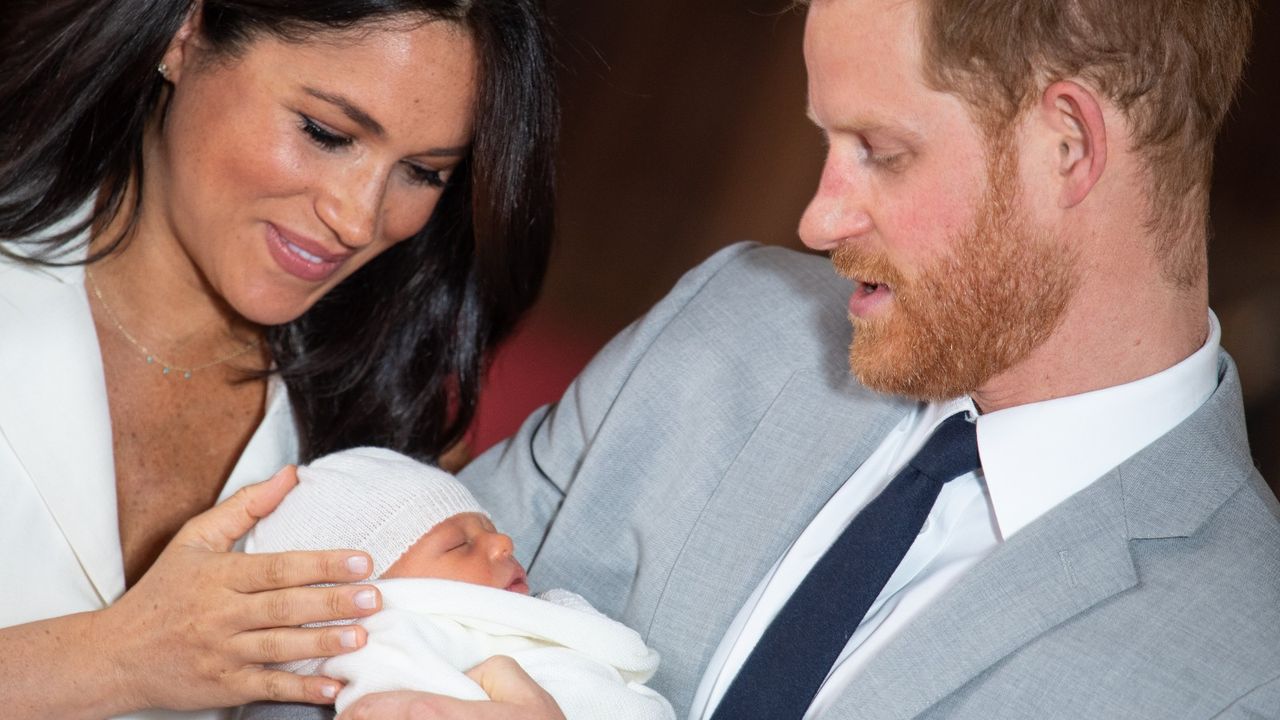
(838, 211)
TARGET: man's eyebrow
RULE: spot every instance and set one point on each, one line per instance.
(864, 125)
(350, 109)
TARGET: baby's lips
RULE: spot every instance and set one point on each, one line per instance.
(520, 582)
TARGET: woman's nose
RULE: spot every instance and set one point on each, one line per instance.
(350, 206)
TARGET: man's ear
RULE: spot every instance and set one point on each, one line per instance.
(1073, 114)
(183, 47)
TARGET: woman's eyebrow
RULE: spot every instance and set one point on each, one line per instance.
(373, 127)
(350, 109)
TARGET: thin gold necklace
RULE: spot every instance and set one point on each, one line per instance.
(166, 368)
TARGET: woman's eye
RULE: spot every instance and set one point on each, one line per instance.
(420, 175)
(322, 136)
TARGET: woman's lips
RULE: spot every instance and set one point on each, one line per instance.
(301, 257)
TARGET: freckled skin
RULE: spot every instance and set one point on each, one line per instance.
(232, 156)
(465, 547)
(196, 280)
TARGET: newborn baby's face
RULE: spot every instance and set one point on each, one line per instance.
(465, 547)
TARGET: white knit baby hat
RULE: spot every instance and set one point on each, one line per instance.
(369, 499)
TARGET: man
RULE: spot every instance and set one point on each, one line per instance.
(1015, 196)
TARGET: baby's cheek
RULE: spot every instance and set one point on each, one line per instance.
(416, 562)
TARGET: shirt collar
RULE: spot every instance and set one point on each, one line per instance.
(1035, 456)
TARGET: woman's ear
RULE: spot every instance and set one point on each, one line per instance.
(183, 47)
(1074, 115)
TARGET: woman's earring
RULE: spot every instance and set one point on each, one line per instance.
(164, 70)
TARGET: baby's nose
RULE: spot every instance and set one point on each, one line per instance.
(500, 545)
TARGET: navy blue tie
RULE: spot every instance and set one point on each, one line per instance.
(784, 671)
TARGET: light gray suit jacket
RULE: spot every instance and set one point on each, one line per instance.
(691, 452)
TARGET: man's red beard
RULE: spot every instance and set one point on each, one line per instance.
(977, 311)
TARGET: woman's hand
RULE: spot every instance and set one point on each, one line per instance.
(514, 695)
(197, 628)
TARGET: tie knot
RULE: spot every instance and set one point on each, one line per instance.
(951, 451)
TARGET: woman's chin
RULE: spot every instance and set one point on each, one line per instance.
(271, 309)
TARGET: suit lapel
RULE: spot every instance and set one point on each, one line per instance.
(1066, 562)
(53, 413)
(1060, 566)
(814, 435)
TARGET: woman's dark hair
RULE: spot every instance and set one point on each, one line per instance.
(394, 355)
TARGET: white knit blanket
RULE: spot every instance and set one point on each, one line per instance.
(430, 632)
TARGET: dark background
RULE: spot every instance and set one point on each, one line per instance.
(684, 131)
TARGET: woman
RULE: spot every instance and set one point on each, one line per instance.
(238, 234)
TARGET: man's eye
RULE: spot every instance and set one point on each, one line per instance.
(322, 136)
(889, 161)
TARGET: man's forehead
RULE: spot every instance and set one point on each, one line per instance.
(868, 32)
(863, 56)
(869, 7)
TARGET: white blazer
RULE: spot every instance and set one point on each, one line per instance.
(59, 527)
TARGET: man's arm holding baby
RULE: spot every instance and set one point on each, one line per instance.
(515, 696)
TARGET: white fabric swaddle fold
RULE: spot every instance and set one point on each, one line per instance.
(431, 631)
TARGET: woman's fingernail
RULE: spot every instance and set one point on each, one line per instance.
(329, 691)
(358, 564)
(366, 599)
(348, 638)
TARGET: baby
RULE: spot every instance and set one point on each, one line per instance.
(453, 594)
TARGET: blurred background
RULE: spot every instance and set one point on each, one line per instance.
(684, 131)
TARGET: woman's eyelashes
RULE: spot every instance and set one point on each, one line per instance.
(331, 141)
(425, 175)
(322, 136)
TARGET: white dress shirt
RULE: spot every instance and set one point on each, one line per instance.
(1033, 457)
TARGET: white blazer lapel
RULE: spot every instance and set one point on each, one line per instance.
(54, 415)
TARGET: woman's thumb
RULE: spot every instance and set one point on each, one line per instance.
(219, 527)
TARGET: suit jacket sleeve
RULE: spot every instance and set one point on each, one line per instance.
(1262, 702)
(523, 480)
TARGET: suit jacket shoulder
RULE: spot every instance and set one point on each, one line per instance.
(1152, 593)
